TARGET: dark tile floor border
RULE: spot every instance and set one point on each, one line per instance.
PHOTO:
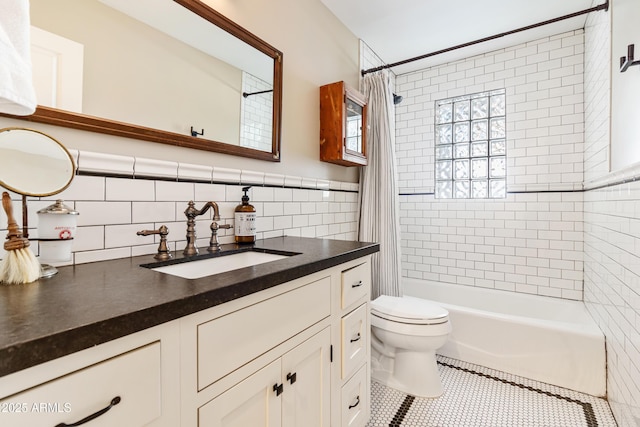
(402, 411)
(587, 408)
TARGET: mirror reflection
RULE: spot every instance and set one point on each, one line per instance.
(34, 163)
(354, 126)
(156, 65)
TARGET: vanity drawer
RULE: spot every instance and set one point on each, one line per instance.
(133, 377)
(354, 340)
(230, 341)
(354, 400)
(356, 282)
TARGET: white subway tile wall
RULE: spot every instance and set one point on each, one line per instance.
(255, 114)
(155, 168)
(113, 209)
(532, 241)
(544, 87)
(226, 175)
(612, 233)
(106, 163)
(368, 58)
(612, 289)
(597, 91)
(250, 177)
(188, 171)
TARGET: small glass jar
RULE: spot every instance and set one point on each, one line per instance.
(57, 225)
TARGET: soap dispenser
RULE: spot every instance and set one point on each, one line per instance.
(245, 220)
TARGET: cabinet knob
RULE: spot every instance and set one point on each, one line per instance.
(292, 377)
(278, 389)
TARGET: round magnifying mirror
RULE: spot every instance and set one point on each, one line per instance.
(32, 163)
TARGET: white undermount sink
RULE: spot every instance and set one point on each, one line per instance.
(220, 264)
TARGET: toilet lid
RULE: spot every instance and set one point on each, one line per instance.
(408, 310)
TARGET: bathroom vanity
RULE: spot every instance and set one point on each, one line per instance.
(281, 343)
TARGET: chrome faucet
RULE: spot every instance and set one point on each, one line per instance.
(191, 213)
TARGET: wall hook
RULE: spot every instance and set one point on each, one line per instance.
(195, 133)
(627, 61)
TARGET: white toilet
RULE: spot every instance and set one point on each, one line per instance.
(406, 332)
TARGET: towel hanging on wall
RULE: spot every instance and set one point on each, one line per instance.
(17, 95)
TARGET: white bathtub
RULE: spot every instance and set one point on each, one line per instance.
(541, 338)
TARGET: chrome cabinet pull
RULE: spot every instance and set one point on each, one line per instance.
(91, 417)
(357, 338)
(358, 284)
(355, 404)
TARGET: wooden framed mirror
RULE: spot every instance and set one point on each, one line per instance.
(190, 96)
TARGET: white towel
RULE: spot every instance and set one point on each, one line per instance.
(17, 95)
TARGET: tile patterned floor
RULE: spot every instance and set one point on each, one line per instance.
(476, 396)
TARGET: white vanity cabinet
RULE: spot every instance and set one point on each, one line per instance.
(293, 355)
(264, 359)
(351, 397)
(291, 391)
(296, 355)
(130, 381)
(306, 373)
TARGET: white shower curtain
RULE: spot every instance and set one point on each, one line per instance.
(379, 208)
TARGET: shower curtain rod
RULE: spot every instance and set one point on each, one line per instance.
(245, 94)
(604, 6)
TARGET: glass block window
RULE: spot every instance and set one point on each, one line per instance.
(470, 146)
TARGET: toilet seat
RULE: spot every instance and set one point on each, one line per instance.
(415, 311)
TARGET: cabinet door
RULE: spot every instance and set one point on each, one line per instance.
(356, 282)
(343, 118)
(252, 402)
(306, 378)
(126, 390)
(355, 340)
(355, 400)
(247, 333)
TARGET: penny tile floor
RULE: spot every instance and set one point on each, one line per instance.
(476, 396)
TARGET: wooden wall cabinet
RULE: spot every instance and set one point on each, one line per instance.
(343, 118)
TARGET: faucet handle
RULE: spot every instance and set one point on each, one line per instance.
(214, 245)
(163, 251)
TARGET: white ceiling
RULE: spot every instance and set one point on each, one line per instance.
(401, 29)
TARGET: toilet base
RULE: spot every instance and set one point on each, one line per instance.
(414, 373)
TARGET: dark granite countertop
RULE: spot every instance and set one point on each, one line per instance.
(89, 304)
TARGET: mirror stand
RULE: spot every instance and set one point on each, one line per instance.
(37, 165)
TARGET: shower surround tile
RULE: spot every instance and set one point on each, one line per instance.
(529, 242)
